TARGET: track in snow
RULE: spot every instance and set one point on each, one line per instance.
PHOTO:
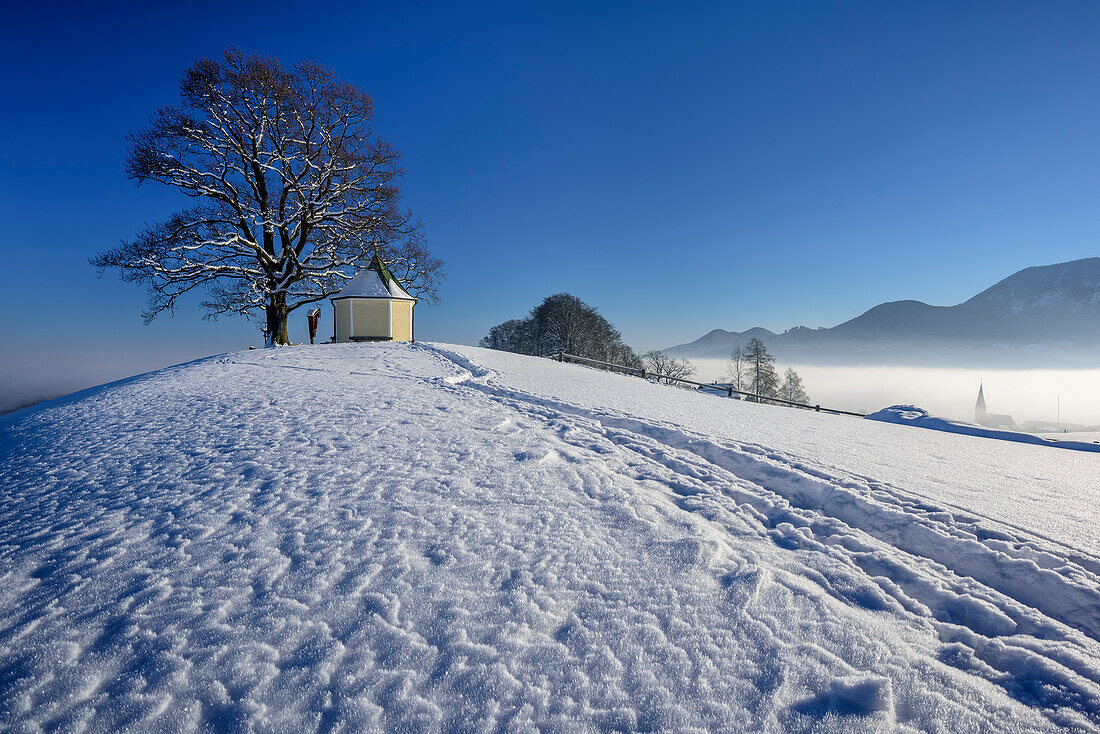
(386, 537)
(1017, 609)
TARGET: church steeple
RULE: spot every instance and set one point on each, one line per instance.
(979, 407)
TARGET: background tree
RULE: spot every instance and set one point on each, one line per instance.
(562, 322)
(737, 369)
(664, 366)
(513, 335)
(792, 389)
(619, 353)
(291, 191)
(763, 381)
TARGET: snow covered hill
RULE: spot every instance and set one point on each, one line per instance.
(428, 537)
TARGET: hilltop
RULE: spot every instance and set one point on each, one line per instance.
(424, 537)
(1047, 312)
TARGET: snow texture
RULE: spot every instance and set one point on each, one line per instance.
(427, 537)
(910, 415)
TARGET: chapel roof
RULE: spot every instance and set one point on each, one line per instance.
(374, 281)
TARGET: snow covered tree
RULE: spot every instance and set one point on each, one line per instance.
(763, 381)
(291, 190)
(664, 366)
(737, 369)
(792, 389)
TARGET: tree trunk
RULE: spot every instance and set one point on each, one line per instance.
(276, 320)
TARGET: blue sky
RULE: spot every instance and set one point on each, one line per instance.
(682, 166)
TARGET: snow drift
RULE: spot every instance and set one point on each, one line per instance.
(426, 537)
(910, 415)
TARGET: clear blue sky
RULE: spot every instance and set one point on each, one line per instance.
(682, 166)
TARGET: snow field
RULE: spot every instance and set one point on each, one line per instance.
(422, 538)
(1047, 491)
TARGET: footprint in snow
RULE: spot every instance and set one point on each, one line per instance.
(855, 695)
(540, 457)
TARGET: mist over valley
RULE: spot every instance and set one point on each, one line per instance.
(950, 392)
(1032, 340)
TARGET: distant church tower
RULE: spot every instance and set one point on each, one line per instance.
(991, 420)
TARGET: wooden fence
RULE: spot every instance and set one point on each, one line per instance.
(728, 389)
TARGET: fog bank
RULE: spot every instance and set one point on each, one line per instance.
(947, 392)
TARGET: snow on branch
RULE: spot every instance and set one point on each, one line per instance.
(293, 189)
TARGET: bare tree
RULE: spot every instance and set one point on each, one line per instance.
(562, 322)
(619, 353)
(792, 389)
(737, 369)
(665, 367)
(513, 335)
(763, 381)
(291, 187)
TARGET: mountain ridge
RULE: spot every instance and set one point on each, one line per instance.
(1050, 311)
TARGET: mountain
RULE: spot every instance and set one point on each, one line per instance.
(720, 340)
(1065, 289)
(1045, 313)
(435, 538)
